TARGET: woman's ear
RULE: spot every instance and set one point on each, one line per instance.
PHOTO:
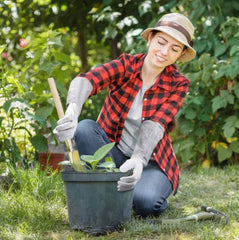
(184, 51)
(150, 37)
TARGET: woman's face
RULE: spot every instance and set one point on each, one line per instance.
(163, 49)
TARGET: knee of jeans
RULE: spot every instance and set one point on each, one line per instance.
(82, 130)
(148, 206)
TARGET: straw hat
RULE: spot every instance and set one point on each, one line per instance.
(180, 28)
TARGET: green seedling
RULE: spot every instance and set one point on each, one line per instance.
(93, 162)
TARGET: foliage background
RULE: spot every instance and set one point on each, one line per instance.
(66, 37)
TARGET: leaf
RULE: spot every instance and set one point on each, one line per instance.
(231, 120)
(199, 132)
(234, 49)
(136, 32)
(204, 117)
(190, 114)
(220, 49)
(217, 103)
(44, 112)
(237, 123)
(229, 126)
(201, 147)
(101, 152)
(59, 56)
(198, 100)
(206, 164)
(16, 103)
(107, 2)
(91, 162)
(227, 96)
(236, 89)
(233, 71)
(87, 158)
(55, 41)
(48, 67)
(12, 147)
(109, 159)
(186, 127)
(66, 162)
(107, 165)
(222, 71)
(144, 7)
(224, 153)
(110, 32)
(14, 80)
(228, 131)
(221, 101)
(2, 47)
(39, 142)
(234, 146)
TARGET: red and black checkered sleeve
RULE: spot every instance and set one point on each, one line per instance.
(100, 77)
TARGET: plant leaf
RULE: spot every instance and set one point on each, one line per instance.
(229, 126)
(2, 47)
(107, 165)
(218, 103)
(66, 162)
(224, 153)
(87, 158)
(101, 152)
(234, 146)
(236, 89)
(190, 114)
(108, 159)
(39, 142)
(44, 112)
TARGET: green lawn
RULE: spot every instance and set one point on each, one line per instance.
(34, 207)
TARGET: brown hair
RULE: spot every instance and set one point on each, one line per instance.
(154, 32)
(172, 125)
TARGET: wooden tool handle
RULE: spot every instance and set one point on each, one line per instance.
(59, 107)
(56, 97)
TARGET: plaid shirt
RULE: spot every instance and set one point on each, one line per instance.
(161, 103)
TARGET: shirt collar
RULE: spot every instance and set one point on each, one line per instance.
(165, 78)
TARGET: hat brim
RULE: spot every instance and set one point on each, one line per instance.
(189, 54)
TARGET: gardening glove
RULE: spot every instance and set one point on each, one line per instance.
(150, 134)
(128, 183)
(66, 126)
(79, 91)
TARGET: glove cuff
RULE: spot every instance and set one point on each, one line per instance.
(79, 90)
(150, 134)
(75, 108)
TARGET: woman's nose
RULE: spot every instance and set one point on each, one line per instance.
(164, 50)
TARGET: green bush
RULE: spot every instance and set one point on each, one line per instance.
(209, 119)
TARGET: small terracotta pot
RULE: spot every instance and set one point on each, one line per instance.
(51, 160)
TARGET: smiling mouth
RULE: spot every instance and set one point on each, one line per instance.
(160, 59)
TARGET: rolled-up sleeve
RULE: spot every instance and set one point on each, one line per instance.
(100, 77)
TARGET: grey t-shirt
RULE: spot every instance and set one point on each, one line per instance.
(132, 124)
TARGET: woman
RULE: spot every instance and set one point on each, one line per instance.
(145, 92)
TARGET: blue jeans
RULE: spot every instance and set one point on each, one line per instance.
(151, 191)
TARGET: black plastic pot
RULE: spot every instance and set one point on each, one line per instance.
(94, 204)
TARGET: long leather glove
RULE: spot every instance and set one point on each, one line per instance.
(150, 134)
(79, 90)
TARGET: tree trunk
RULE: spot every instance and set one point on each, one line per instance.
(115, 51)
(83, 52)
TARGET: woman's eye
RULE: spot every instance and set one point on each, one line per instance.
(161, 43)
(175, 50)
